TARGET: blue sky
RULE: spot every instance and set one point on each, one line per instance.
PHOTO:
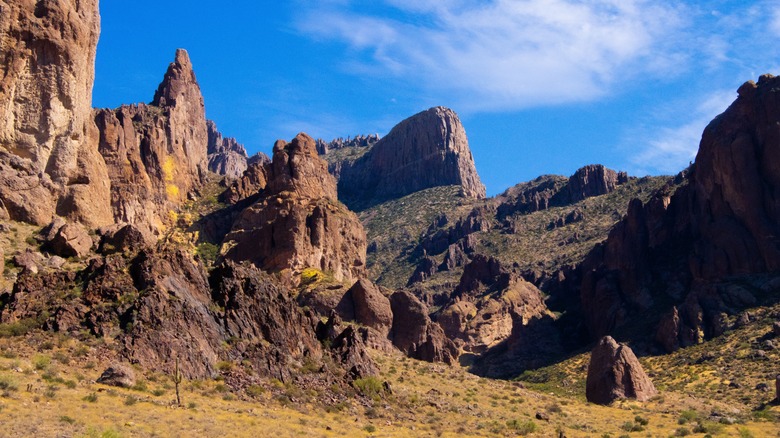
(541, 86)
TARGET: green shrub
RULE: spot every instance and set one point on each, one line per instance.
(369, 386)
(8, 384)
(255, 391)
(207, 251)
(41, 361)
(92, 398)
(522, 427)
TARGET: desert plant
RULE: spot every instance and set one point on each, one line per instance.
(177, 378)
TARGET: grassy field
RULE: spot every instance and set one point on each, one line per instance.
(47, 388)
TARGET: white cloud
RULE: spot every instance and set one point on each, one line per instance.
(505, 54)
(668, 150)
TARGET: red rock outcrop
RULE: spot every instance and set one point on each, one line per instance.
(50, 163)
(415, 334)
(225, 155)
(371, 307)
(487, 304)
(615, 373)
(426, 150)
(593, 180)
(721, 222)
(156, 154)
(297, 222)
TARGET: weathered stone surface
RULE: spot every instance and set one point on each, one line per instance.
(29, 260)
(297, 222)
(615, 373)
(226, 156)
(722, 223)
(120, 375)
(415, 334)
(592, 180)
(249, 184)
(156, 154)
(429, 149)
(372, 308)
(123, 238)
(67, 239)
(50, 164)
(487, 304)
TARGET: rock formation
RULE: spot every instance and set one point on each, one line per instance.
(225, 155)
(359, 141)
(371, 307)
(615, 373)
(297, 222)
(487, 304)
(429, 149)
(415, 334)
(721, 222)
(156, 154)
(49, 163)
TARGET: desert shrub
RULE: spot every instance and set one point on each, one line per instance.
(682, 431)
(8, 384)
(369, 386)
(92, 398)
(370, 428)
(522, 427)
(255, 390)
(41, 361)
(207, 251)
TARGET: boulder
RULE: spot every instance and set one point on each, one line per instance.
(415, 334)
(67, 239)
(615, 373)
(372, 308)
(120, 375)
(123, 238)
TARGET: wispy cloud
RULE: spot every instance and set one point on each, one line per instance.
(667, 150)
(503, 54)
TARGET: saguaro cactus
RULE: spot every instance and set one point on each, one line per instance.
(177, 380)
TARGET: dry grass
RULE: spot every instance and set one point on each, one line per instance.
(61, 399)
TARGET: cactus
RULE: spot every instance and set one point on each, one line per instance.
(177, 380)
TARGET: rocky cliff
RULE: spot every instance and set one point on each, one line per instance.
(684, 245)
(297, 222)
(429, 149)
(50, 163)
(156, 153)
(226, 156)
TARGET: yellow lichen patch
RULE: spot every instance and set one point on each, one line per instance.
(311, 275)
(172, 191)
(167, 168)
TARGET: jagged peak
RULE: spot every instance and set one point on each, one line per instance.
(178, 80)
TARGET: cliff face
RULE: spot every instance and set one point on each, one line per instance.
(226, 156)
(297, 222)
(156, 154)
(426, 150)
(685, 246)
(50, 164)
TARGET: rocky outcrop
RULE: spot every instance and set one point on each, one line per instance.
(593, 180)
(249, 184)
(49, 163)
(156, 154)
(487, 304)
(615, 373)
(225, 155)
(415, 334)
(371, 307)
(297, 222)
(67, 239)
(359, 141)
(429, 149)
(721, 222)
(120, 375)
